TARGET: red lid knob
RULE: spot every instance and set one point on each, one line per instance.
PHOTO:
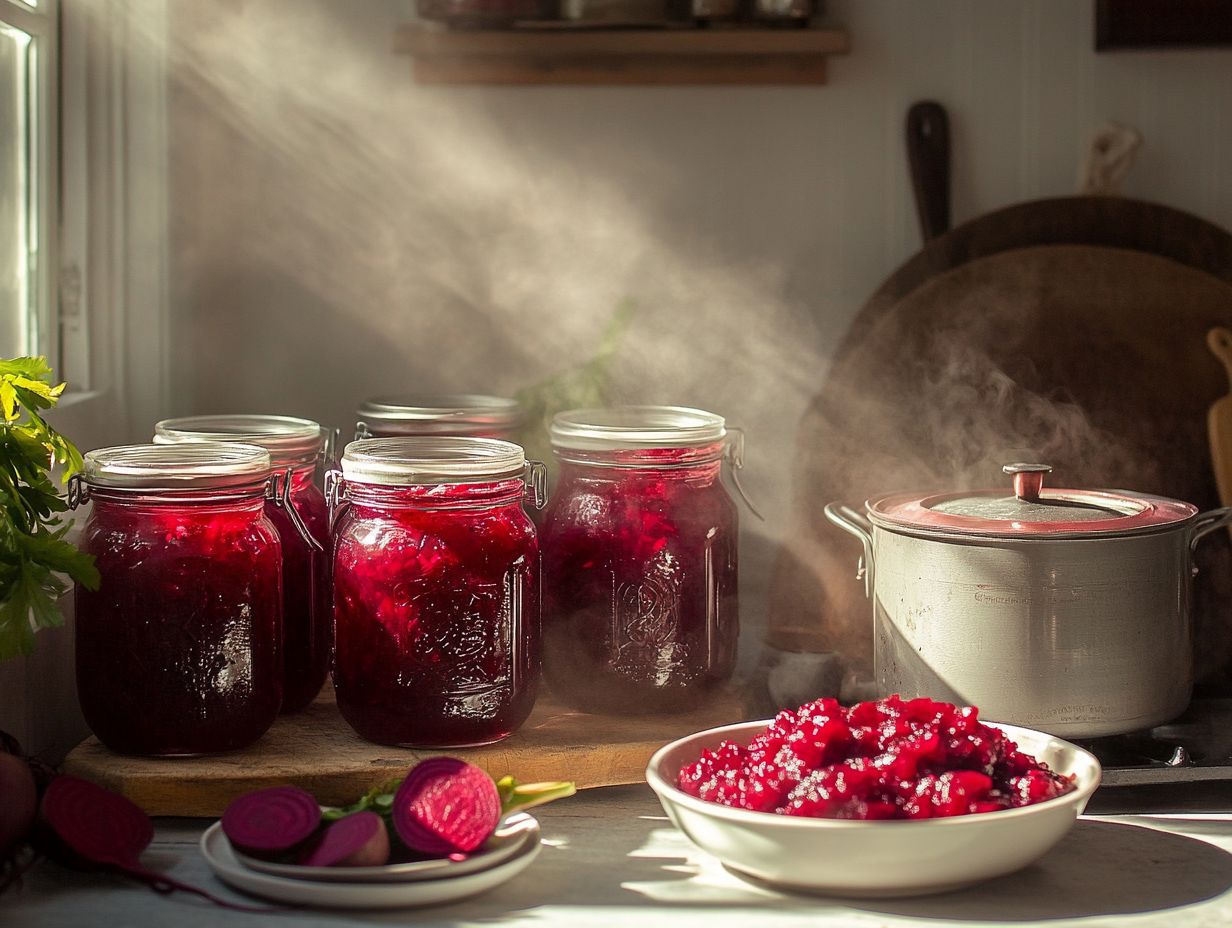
(1028, 480)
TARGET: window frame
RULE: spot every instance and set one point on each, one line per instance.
(113, 274)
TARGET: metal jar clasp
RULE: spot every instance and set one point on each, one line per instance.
(329, 448)
(278, 491)
(535, 476)
(77, 491)
(335, 495)
(733, 454)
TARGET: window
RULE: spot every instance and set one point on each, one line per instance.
(28, 176)
(83, 204)
(82, 258)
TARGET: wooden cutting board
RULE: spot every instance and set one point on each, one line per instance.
(318, 751)
(1070, 331)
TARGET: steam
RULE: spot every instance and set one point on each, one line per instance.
(341, 232)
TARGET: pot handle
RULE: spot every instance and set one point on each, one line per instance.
(856, 524)
(1206, 522)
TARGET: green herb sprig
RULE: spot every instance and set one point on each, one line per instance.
(35, 558)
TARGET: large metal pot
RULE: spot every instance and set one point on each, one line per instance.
(1062, 610)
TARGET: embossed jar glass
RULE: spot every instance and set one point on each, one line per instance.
(436, 590)
(639, 544)
(436, 414)
(179, 649)
(295, 446)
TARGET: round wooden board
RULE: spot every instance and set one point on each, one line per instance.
(317, 750)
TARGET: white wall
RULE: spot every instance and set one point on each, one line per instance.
(339, 231)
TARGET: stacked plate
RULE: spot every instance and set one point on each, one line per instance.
(509, 851)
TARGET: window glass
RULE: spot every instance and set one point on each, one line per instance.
(18, 233)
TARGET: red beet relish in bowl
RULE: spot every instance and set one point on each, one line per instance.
(889, 759)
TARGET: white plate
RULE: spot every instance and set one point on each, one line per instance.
(505, 843)
(218, 854)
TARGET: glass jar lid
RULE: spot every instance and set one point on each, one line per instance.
(427, 413)
(186, 466)
(427, 460)
(633, 427)
(1030, 510)
(288, 440)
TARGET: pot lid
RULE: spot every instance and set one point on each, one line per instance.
(1030, 510)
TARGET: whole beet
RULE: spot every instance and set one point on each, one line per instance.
(18, 803)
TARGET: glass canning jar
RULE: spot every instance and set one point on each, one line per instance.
(639, 560)
(295, 446)
(179, 649)
(437, 415)
(436, 590)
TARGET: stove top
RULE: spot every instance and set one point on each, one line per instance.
(1185, 764)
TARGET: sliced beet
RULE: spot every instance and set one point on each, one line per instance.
(446, 806)
(358, 840)
(270, 822)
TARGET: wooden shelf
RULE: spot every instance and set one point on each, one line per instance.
(620, 56)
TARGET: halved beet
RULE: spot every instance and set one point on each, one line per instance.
(359, 840)
(270, 822)
(84, 825)
(446, 806)
(96, 826)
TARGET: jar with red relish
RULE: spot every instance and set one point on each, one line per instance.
(432, 414)
(436, 590)
(179, 649)
(295, 446)
(639, 560)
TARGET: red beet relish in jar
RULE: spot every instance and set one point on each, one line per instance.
(436, 591)
(307, 615)
(639, 544)
(179, 649)
(434, 414)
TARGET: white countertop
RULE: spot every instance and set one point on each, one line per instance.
(612, 858)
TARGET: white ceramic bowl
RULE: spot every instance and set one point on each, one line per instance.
(885, 858)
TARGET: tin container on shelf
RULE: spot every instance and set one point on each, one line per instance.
(466, 414)
(295, 447)
(483, 14)
(640, 543)
(179, 649)
(436, 589)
